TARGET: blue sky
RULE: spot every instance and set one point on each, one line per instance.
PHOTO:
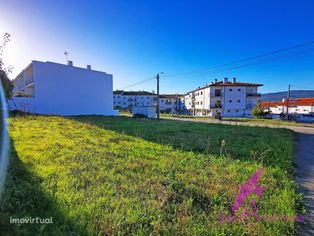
(134, 40)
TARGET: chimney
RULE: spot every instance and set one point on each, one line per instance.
(225, 80)
(234, 80)
(89, 67)
(216, 81)
(70, 63)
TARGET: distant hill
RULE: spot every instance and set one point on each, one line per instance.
(272, 97)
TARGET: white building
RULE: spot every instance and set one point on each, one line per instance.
(172, 103)
(126, 100)
(169, 103)
(299, 108)
(225, 98)
(52, 88)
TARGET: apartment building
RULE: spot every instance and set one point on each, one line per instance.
(169, 103)
(52, 88)
(125, 100)
(224, 98)
(172, 103)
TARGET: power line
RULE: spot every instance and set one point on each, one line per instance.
(245, 59)
(301, 87)
(138, 83)
(269, 60)
(204, 70)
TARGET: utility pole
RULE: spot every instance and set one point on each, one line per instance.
(158, 105)
(288, 98)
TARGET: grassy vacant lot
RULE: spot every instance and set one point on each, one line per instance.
(106, 175)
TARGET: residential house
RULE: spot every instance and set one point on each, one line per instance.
(52, 88)
(298, 108)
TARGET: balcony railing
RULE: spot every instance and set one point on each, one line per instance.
(217, 95)
(215, 106)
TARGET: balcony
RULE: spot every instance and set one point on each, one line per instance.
(215, 106)
(254, 95)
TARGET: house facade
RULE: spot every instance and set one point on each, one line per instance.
(52, 88)
(126, 100)
(224, 98)
(169, 103)
(299, 108)
(172, 103)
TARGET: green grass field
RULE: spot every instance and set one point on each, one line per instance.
(118, 175)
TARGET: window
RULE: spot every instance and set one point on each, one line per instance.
(230, 90)
(237, 110)
(217, 92)
(228, 111)
(201, 93)
(201, 103)
(230, 101)
(239, 90)
(238, 101)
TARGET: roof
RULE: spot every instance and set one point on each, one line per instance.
(292, 102)
(270, 104)
(171, 95)
(227, 84)
(133, 93)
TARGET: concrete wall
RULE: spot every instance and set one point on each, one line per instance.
(67, 90)
(149, 112)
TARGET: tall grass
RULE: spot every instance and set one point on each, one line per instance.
(117, 175)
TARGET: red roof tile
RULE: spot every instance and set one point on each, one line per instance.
(292, 102)
(221, 83)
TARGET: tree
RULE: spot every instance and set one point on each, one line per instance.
(5, 81)
(258, 111)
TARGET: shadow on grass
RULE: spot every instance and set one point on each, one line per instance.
(23, 197)
(270, 147)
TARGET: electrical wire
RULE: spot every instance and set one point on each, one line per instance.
(215, 68)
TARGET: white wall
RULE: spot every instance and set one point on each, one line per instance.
(66, 90)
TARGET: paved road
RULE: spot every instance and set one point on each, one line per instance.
(304, 158)
(301, 129)
(304, 151)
